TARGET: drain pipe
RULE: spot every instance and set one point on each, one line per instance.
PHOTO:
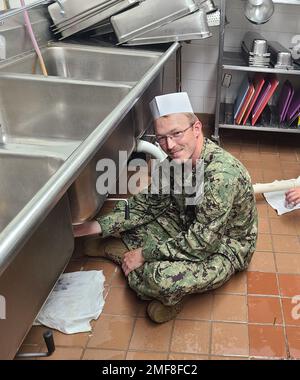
(154, 150)
(142, 146)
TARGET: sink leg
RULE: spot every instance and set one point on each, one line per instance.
(48, 338)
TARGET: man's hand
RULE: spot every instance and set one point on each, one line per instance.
(293, 196)
(132, 260)
(88, 228)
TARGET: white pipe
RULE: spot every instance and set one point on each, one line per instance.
(276, 186)
(143, 146)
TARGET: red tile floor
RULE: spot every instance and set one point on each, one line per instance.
(256, 315)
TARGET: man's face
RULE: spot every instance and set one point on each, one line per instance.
(177, 136)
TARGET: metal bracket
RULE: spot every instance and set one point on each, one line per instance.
(48, 338)
(127, 209)
(216, 139)
(62, 9)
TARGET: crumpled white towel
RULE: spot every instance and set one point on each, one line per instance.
(76, 299)
(276, 199)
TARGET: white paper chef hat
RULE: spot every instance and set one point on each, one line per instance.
(163, 105)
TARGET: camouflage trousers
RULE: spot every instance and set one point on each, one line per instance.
(170, 281)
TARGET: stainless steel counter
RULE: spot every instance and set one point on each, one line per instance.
(30, 259)
(17, 232)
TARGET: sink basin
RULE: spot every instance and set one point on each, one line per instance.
(96, 64)
(52, 112)
(27, 281)
(39, 110)
(86, 62)
(22, 177)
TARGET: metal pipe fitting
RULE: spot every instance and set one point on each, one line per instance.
(127, 210)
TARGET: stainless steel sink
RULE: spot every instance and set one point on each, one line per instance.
(22, 176)
(53, 131)
(97, 64)
(86, 62)
(30, 276)
(40, 110)
(53, 112)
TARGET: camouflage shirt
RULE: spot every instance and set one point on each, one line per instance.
(224, 221)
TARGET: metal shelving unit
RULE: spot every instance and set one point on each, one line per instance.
(291, 2)
(258, 128)
(233, 61)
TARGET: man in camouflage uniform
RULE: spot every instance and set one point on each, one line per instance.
(175, 249)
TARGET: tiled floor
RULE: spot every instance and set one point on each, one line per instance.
(255, 315)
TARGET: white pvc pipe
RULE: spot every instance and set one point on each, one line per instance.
(276, 186)
(146, 147)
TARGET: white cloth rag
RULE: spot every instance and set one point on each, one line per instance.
(76, 299)
(276, 199)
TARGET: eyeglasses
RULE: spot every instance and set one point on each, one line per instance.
(176, 136)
